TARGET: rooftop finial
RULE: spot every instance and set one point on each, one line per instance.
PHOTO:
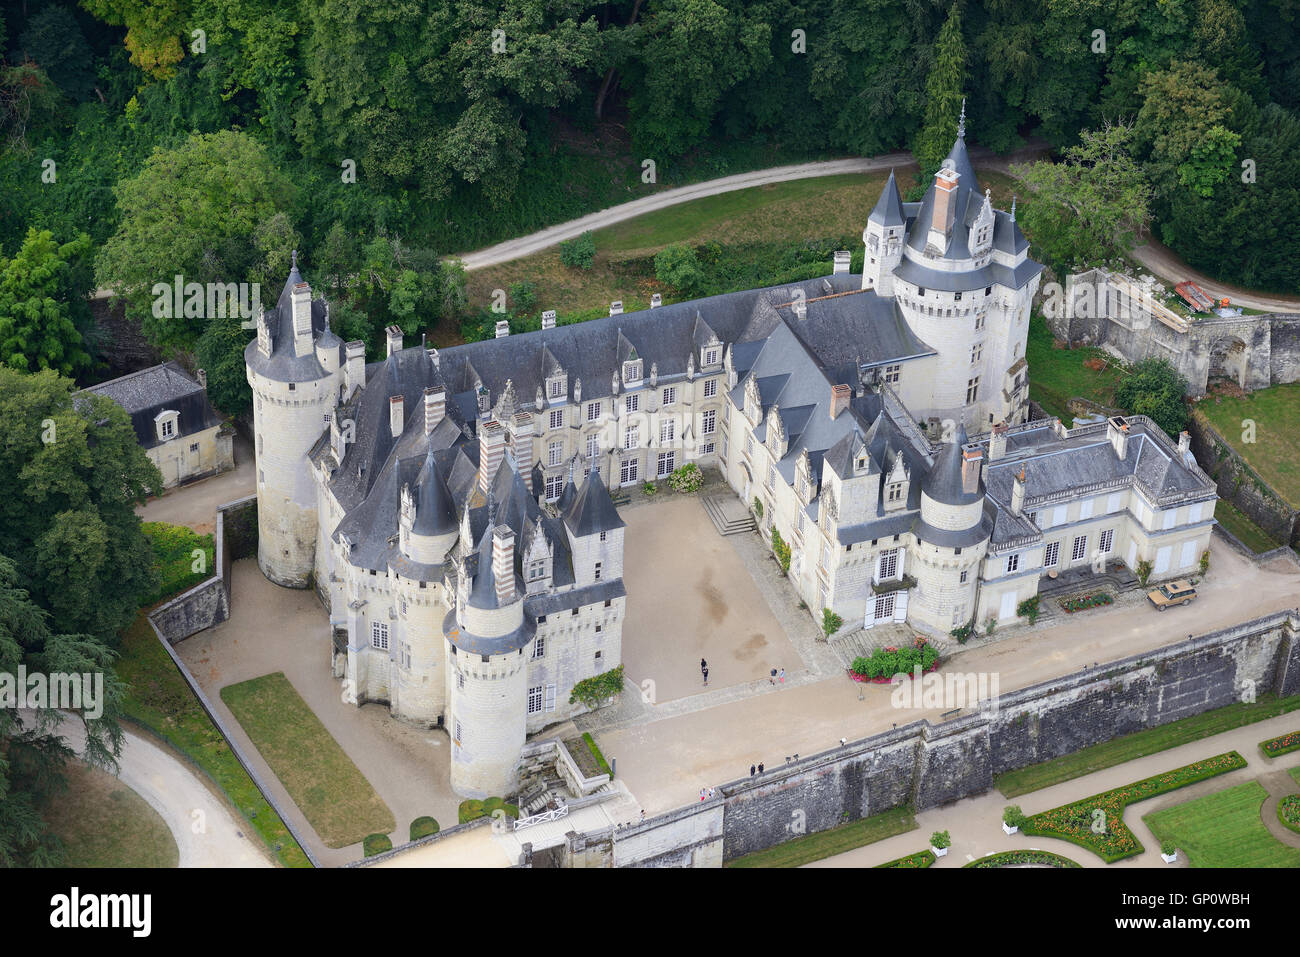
(1013, 207)
(294, 256)
(961, 120)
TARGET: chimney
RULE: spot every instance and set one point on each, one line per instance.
(338, 440)
(491, 449)
(503, 328)
(1184, 438)
(202, 375)
(972, 457)
(435, 407)
(840, 261)
(264, 345)
(394, 335)
(300, 301)
(503, 563)
(433, 356)
(548, 319)
(998, 441)
(945, 205)
(800, 307)
(354, 369)
(1018, 492)
(523, 447)
(616, 307)
(396, 415)
(656, 300)
(841, 395)
(1117, 432)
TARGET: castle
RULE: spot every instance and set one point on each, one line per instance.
(452, 508)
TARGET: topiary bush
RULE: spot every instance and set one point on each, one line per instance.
(376, 844)
(473, 809)
(423, 827)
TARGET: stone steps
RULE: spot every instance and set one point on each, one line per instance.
(726, 516)
(864, 641)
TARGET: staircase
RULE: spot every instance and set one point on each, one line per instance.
(864, 641)
(728, 514)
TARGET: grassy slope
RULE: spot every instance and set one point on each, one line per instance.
(1141, 743)
(103, 823)
(161, 701)
(1223, 829)
(1275, 412)
(1058, 375)
(814, 847)
(319, 776)
(1250, 534)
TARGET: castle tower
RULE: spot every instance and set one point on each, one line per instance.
(295, 370)
(883, 238)
(954, 535)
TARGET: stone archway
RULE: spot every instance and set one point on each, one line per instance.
(748, 482)
(1230, 359)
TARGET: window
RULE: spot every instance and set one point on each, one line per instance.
(976, 352)
(632, 437)
(628, 471)
(633, 403)
(1106, 542)
(1167, 520)
(535, 700)
(771, 476)
(920, 291)
(292, 387)
(554, 486)
(964, 576)
(749, 444)
(599, 629)
(604, 536)
(710, 388)
(1079, 549)
(956, 297)
(554, 453)
(406, 655)
(632, 371)
(893, 373)
(194, 450)
(536, 570)
(596, 576)
(460, 733)
(706, 448)
(826, 554)
(556, 387)
(1085, 509)
(670, 395)
(667, 430)
(379, 635)
(1052, 554)
(593, 447)
(460, 683)
(709, 422)
(1013, 563)
(167, 428)
(894, 492)
(557, 418)
(593, 411)
(711, 358)
(979, 321)
(972, 390)
(803, 520)
(887, 567)
(988, 290)
(667, 462)
(550, 697)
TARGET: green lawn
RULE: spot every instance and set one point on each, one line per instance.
(837, 840)
(1223, 829)
(1247, 532)
(1058, 375)
(319, 776)
(1108, 754)
(103, 823)
(160, 701)
(1275, 412)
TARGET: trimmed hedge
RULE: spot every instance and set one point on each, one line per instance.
(472, 809)
(1288, 812)
(884, 663)
(376, 844)
(1282, 744)
(423, 827)
(920, 859)
(1074, 822)
(1011, 858)
(601, 763)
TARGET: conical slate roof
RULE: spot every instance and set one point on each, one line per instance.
(435, 511)
(889, 208)
(592, 510)
(943, 482)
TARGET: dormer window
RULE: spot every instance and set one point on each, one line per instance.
(536, 570)
(710, 357)
(894, 492)
(632, 371)
(165, 424)
(555, 387)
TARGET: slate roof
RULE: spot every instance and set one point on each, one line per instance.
(592, 510)
(282, 365)
(943, 482)
(147, 393)
(888, 210)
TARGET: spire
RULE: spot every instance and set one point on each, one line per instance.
(961, 120)
(1013, 207)
(889, 208)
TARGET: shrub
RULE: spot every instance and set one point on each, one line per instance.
(781, 550)
(758, 507)
(1012, 816)
(963, 632)
(649, 488)
(990, 624)
(687, 479)
(175, 561)
(1282, 744)
(592, 691)
(601, 763)
(1011, 858)
(1167, 847)
(1288, 811)
(922, 859)
(1155, 389)
(423, 827)
(678, 266)
(940, 839)
(884, 663)
(376, 844)
(579, 253)
(1205, 561)
(1028, 609)
(1143, 570)
(472, 809)
(831, 622)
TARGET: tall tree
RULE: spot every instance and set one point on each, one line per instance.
(943, 96)
(39, 298)
(154, 29)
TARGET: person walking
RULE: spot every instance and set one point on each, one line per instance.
(751, 771)
(771, 678)
(703, 792)
(704, 665)
(706, 677)
(782, 676)
(760, 769)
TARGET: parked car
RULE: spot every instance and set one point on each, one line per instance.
(1172, 593)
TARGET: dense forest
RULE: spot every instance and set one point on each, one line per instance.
(148, 138)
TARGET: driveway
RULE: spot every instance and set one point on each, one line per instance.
(1163, 262)
(195, 505)
(207, 832)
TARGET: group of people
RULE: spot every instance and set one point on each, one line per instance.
(776, 675)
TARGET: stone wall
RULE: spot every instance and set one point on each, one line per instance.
(1240, 484)
(927, 765)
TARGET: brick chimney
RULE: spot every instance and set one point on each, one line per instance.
(300, 301)
(998, 441)
(435, 407)
(491, 449)
(1018, 492)
(394, 336)
(945, 205)
(503, 563)
(396, 415)
(841, 395)
(972, 457)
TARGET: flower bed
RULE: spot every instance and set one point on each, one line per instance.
(920, 859)
(1011, 858)
(1084, 602)
(1074, 822)
(1288, 812)
(1283, 744)
(884, 663)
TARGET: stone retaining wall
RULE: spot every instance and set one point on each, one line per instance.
(1240, 484)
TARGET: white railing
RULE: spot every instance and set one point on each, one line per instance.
(559, 812)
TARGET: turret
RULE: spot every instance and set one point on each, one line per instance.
(883, 239)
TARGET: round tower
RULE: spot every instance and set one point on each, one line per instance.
(292, 395)
(487, 677)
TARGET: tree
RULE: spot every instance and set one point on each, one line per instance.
(38, 301)
(679, 267)
(71, 475)
(55, 43)
(1090, 206)
(1188, 123)
(153, 30)
(194, 211)
(943, 97)
(1154, 388)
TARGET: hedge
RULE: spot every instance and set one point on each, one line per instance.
(423, 827)
(1282, 744)
(376, 844)
(1009, 858)
(920, 859)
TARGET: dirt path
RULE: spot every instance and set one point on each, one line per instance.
(1165, 264)
(535, 242)
(207, 833)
